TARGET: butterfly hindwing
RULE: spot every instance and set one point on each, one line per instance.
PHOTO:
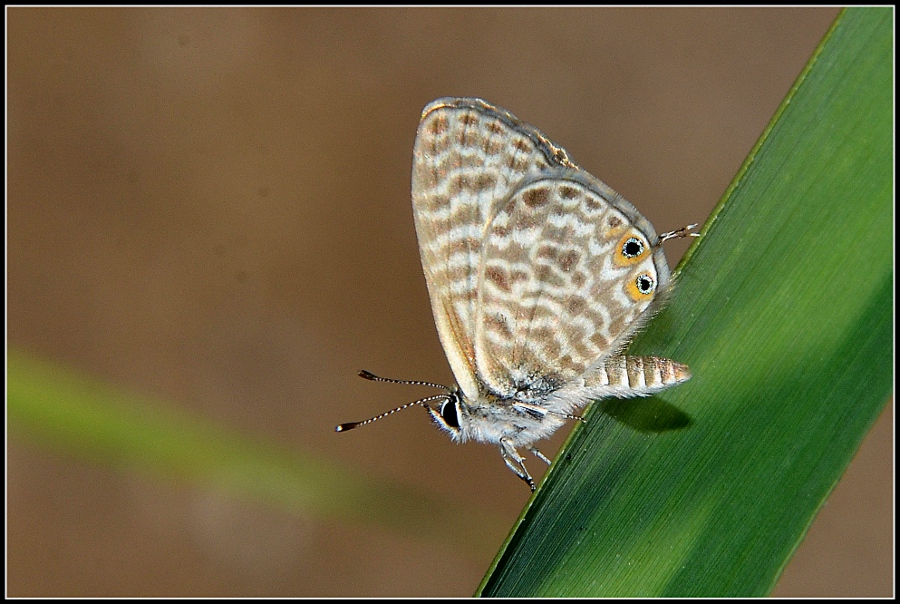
(568, 268)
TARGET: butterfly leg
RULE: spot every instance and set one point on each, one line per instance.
(515, 462)
(539, 455)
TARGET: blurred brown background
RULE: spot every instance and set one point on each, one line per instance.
(213, 206)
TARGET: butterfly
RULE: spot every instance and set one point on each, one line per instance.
(539, 274)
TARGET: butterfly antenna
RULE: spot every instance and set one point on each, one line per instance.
(677, 234)
(424, 402)
(371, 376)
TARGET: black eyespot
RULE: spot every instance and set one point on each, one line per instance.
(644, 284)
(633, 247)
(448, 414)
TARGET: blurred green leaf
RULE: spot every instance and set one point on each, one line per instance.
(783, 310)
(76, 414)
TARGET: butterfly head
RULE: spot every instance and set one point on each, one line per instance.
(449, 415)
(450, 411)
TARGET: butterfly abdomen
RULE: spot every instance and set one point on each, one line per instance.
(626, 376)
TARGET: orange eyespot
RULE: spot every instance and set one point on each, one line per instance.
(642, 287)
(630, 250)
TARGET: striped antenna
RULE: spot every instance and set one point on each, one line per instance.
(423, 401)
(371, 376)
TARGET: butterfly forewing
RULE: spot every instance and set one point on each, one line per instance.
(568, 268)
(468, 159)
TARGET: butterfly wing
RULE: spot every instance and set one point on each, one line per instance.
(469, 157)
(569, 267)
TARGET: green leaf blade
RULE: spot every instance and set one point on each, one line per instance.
(783, 310)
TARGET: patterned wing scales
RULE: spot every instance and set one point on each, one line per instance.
(569, 267)
(468, 158)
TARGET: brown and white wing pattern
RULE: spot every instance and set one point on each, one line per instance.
(469, 158)
(568, 268)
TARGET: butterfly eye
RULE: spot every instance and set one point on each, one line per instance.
(632, 247)
(644, 284)
(448, 414)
